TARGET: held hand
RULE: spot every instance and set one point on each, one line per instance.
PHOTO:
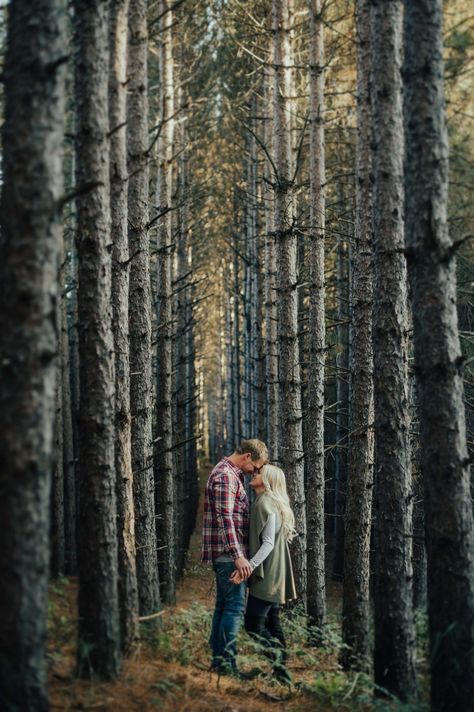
(243, 567)
(236, 577)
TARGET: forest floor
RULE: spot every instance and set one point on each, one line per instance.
(169, 670)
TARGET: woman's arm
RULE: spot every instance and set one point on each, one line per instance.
(267, 538)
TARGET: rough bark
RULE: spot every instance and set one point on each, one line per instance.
(419, 547)
(140, 310)
(181, 295)
(247, 238)
(230, 394)
(32, 136)
(270, 267)
(236, 348)
(69, 458)
(99, 635)
(443, 453)
(394, 654)
(164, 475)
(342, 407)
(358, 517)
(57, 533)
(69, 464)
(290, 416)
(316, 337)
(128, 590)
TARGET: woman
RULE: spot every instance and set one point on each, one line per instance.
(272, 526)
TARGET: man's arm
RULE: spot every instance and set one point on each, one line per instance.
(225, 490)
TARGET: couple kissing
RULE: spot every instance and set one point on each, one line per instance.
(248, 548)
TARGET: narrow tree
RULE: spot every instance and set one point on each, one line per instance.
(290, 415)
(33, 76)
(99, 634)
(394, 663)
(342, 396)
(140, 309)
(181, 295)
(316, 339)
(57, 529)
(236, 341)
(69, 460)
(270, 294)
(443, 452)
(128, 593)
(164, 475)
(358, 519)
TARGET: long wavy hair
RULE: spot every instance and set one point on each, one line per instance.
(275, 487)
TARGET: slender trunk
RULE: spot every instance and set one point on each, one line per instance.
(74, 366)
(316, 338)
(69, 462)
(290, 415)
(99, 634)
(419, 546)
(164, 476)
(342, 407)
(443, 452)
(128, 587)
(247, 310)
(33, 75)
(236, 340)
(270, 282)
(183, 278)
(140, 310)
(229, 406)
(191, 403)
(394, 655)
(57, 533)
(358, 517)
(259, 352)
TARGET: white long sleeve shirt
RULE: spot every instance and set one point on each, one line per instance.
(267, 537)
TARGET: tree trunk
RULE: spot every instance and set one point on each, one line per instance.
(32, 185)
(270, 282)
(316, 337)
(140, 310)
(394, 631)
(164, 476)
(191, 405)
(181, 295)
(128, 591)
(57, 533)
(69, 456)
(342, 407)
(236, 347)
(290, 415)
(358, 516)
(230, 394)
(247, 236)
(99, 634)
(443, 452)
(419, 546)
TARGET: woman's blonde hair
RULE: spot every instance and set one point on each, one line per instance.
(275, 487)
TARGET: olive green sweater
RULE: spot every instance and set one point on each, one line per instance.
(273, 579)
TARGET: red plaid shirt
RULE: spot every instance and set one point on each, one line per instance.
(226, 513)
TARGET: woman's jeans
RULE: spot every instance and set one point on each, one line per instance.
(262, 621)
(227, 619)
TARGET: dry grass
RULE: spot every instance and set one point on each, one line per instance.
(169, 670)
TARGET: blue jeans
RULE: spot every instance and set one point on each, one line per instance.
(227, 619)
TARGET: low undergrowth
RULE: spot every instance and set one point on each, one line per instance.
(318, 678)
(169, 671)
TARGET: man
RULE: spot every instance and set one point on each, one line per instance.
(225, 545)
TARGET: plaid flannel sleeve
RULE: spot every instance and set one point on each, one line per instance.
(225, 490)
